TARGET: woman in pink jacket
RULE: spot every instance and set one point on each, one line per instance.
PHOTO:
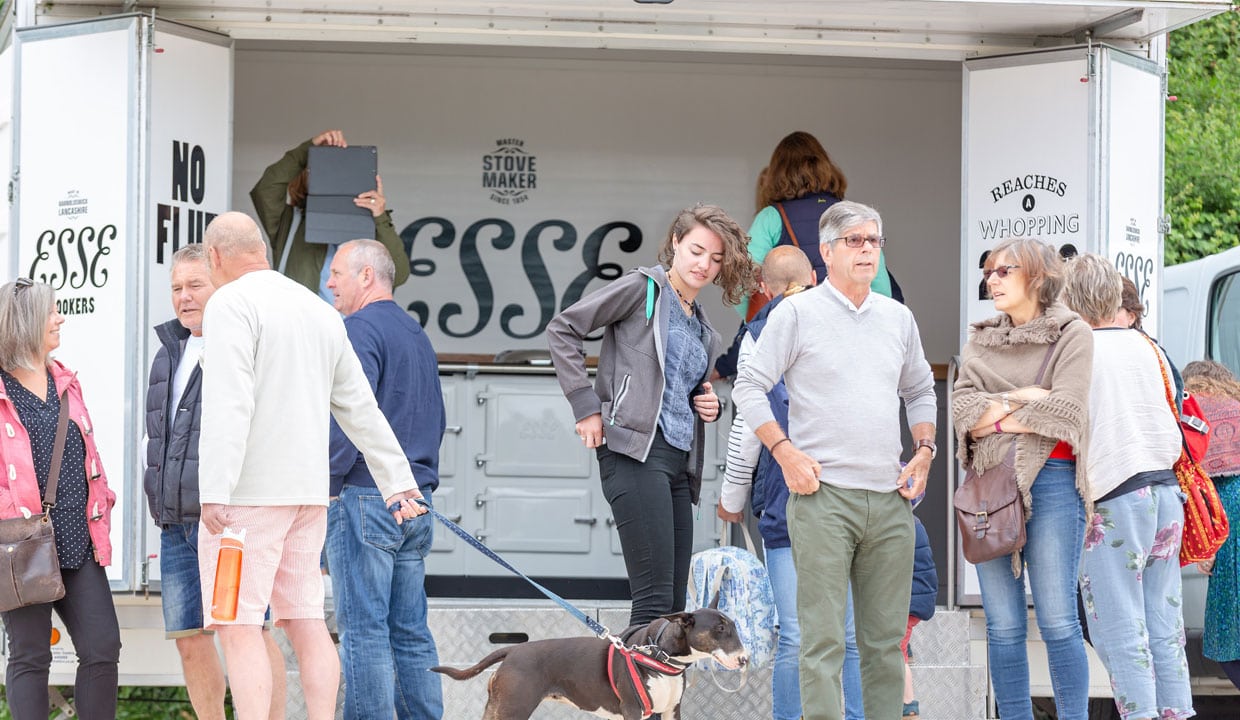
(34, 386)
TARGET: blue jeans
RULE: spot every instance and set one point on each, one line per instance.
(854, 704)
(179, 579)
(378, 569)
(1130, 582)
(1052, 555)
(786, 676)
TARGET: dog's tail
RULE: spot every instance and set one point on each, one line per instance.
(467, 673)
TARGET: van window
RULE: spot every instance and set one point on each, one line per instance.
(1224, 343)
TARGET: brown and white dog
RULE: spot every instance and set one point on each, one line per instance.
(576, 670)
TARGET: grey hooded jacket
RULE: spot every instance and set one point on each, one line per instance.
(628, 390)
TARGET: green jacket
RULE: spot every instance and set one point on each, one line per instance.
(305, 260)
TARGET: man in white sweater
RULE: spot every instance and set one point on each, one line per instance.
(848, 357)
(279, 362)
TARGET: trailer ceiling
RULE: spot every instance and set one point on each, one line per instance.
(910, 29)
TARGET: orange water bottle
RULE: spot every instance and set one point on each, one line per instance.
(228, 575)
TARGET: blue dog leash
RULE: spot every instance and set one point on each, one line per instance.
(590, 622)
(650, 657)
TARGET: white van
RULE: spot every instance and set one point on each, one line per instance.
(1202, 304)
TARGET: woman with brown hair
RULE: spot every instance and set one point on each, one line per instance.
(1218, 393)
(1131, 309)
(794, 190)
(1024, 382)
(644, 412)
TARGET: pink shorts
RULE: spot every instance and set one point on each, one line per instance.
(279, 566)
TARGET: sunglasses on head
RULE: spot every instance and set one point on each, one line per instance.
(1002, 271)
(856, 241)
(21, 284)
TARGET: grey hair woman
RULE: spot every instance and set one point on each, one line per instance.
(34, 392)
(1000, 402)
(1130, 570)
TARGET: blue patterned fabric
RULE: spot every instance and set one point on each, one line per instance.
(745, 595)
(1131, 586)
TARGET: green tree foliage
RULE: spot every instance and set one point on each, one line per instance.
(1203, 139)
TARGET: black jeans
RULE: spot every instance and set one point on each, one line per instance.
(90, 618)
(654, 517)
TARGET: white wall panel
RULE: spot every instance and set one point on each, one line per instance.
(612, 141)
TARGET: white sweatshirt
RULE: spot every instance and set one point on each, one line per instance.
(1131, 429)
(277, 362)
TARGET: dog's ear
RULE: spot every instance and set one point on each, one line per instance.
(682, 619)
(714, 602)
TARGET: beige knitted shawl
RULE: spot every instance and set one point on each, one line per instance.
(1000, 357)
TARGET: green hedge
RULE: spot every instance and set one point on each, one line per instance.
(140, 703)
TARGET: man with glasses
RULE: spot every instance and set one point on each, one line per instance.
(847, 356)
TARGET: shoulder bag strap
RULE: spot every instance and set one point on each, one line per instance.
(1175, 411)
(1046, 359)
(58, 452)
(1166, 379)
(787, 225)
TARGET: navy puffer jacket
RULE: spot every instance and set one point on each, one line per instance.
(925, 576)
(171, 478)
(770, 492)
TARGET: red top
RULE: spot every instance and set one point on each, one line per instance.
(1063, 451)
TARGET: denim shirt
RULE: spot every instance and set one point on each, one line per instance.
(685, 365)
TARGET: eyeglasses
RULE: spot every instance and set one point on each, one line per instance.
(1002, 271)
(21, 284)
(856, 241)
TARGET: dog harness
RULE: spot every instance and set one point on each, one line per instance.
(631, 658)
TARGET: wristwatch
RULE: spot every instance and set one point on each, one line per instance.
(1007, 406)
(934, 450)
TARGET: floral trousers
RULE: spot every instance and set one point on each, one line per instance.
(1130, 582)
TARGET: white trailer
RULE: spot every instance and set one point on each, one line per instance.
(952, 117)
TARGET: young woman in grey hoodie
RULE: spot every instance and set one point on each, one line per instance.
(645, 411)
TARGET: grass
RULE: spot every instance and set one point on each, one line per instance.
(139, 703)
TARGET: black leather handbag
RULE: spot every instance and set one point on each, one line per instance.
(29, 567)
